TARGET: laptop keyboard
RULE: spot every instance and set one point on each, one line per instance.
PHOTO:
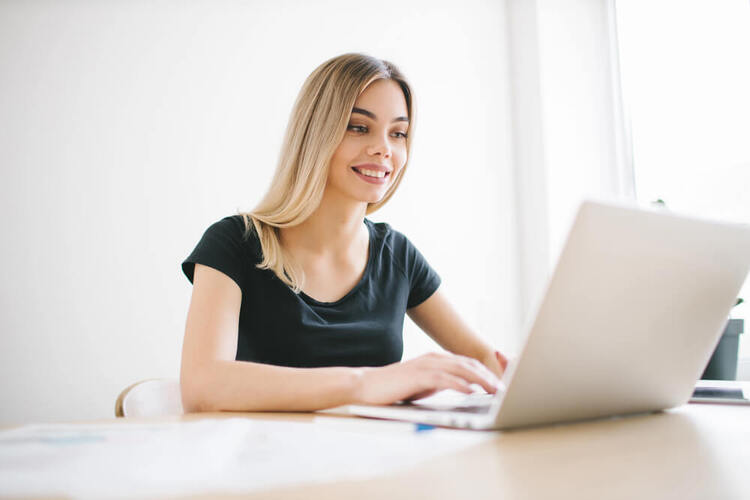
(459, 409)
(458, 402)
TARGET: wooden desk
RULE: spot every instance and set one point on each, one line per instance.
(692, 452)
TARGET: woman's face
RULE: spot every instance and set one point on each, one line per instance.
(373, 150)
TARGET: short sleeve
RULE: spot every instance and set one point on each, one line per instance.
(423, 280)
(222, 248)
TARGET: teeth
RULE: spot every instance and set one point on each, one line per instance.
(372, 173)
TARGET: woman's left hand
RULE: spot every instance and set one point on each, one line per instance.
(496, 362)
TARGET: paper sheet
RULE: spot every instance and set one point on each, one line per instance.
(232, 455)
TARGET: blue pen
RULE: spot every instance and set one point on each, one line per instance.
(424, 427)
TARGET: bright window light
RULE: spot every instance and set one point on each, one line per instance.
(685, 69)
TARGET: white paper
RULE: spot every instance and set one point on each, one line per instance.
(232, 455)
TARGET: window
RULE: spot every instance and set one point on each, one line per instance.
(685, 79)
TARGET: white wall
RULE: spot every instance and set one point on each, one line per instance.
(126, 128)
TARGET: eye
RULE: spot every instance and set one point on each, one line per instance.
(401, 135)
(357, 128)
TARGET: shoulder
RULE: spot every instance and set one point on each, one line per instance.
(383, 230)
(229, 224)
(399, 252)
(391, 239)
(233, 225)
(236, 230)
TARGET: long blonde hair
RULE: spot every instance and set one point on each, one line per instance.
(316, 127)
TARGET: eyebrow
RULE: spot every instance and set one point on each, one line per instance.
(372, 115)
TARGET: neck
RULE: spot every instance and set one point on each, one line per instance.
(333, 228)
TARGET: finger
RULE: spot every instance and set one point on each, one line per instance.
(467, 368)
(432, 374)
(473, 371)
(449, 381)
(502, 360)
(483, 369)
(421, 395)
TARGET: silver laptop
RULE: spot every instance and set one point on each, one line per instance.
(630, 317)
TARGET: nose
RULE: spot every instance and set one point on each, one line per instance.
(379, 147)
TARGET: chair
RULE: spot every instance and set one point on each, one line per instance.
(150, 398)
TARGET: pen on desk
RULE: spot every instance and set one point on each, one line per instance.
(372, 425)
(423, 427)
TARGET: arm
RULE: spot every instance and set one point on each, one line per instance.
(212, 380)
(210, 377)
(437, 317)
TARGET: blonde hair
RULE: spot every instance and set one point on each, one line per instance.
(316, 127)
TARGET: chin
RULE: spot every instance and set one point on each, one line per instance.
(375, 199)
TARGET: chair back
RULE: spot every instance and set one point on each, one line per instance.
(150, 398)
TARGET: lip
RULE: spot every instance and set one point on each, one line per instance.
(375, 167)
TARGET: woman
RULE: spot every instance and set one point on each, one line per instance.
(299, 305)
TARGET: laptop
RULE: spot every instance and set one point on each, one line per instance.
(629, 319)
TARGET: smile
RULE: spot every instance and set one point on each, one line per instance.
(370, 173)
(373, 176)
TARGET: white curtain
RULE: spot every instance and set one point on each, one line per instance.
(570, 136)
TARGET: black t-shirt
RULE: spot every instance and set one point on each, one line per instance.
(279, 327)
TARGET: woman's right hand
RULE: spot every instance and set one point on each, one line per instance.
(422, 376)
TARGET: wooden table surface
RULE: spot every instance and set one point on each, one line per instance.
(691, 452)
